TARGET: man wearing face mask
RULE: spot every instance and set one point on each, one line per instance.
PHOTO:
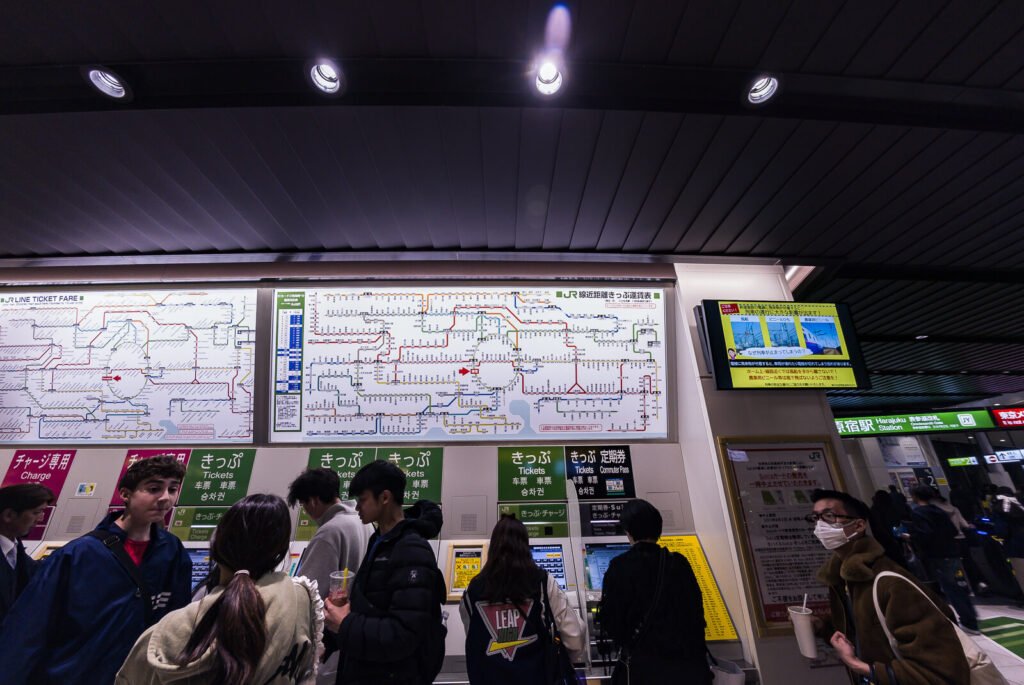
(930, 652)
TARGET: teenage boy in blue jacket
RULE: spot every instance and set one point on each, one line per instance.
(83, 610)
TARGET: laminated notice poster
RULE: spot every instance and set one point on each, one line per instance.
(770, 496)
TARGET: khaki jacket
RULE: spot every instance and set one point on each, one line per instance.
(929, 647)
(295, 621)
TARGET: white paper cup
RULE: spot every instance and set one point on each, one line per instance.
(804, 630)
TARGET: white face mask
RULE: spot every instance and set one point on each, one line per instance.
(830, 537)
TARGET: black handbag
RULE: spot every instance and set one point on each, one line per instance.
(558, 668)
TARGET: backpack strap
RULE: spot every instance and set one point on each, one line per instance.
(113, 543)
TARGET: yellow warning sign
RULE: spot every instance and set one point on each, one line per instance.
(720, 626)
(464, 563)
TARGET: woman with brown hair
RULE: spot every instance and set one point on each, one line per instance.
(512, 610)
(256, 626)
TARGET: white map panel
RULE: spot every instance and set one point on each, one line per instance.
(151, 366)
(478, 363)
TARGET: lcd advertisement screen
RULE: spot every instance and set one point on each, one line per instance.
(777, 345)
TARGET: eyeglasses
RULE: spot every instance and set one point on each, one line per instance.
(829, 517)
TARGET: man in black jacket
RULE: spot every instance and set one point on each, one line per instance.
(651, 607)
(934, 536)
(390, 630)
(21, 507)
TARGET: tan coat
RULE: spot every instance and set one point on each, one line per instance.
(930, 650)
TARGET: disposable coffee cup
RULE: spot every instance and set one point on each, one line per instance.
(804, 629)
(340, 581)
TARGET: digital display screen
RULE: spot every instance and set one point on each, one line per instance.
(549, 558)
(598, 556)
(783, 345)
(200, 565)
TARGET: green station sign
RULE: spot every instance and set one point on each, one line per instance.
(542, 520)
(966, 420)
(531, 473)
(217, 477)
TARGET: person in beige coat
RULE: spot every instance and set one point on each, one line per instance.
(257, 626)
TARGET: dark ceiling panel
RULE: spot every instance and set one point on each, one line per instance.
(905, 23)
(750, 32)
(968, 55)
(703, 28)
(578, 144)
(955, 21)
(540, 129)
(1004, 65)
(653, 27)
(600, 29)
(499, 135)
(798, 35)
(460, 132)
(845, 36)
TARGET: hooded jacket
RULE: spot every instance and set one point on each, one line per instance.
(396, 602)
(339, 542)
(81, 613)
(929, 647)
(294, 620)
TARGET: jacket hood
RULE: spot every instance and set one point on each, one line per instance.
(170, 636)
(856, 567)
(425, 518)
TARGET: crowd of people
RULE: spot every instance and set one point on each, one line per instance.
(117, 605)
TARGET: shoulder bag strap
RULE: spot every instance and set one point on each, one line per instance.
(113, 543)
(878, 609)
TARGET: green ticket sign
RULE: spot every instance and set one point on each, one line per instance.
(217, 477)
(344, 461)
(195, 524)
(544, 520)
(967, 420)
(531, 473)
(422, 467)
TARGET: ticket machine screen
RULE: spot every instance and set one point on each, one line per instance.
(200, 565)
(549, 558)
(598, 556)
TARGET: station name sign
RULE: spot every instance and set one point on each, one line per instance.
(966, 420)
(1008, 417)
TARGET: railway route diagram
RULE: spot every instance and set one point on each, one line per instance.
(468, 363)
(123, 366)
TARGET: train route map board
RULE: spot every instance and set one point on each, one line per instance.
(123, 366)
(468, 363)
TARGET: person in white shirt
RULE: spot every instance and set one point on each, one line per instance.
(22, 506)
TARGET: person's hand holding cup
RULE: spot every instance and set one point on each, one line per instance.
(338, 593)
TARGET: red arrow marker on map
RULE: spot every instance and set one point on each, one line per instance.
(463, 371)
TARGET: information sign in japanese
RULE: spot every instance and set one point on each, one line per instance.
(345, 461)
(600, 472)
(1008, 417)
(964, 461)
(217, 477)
(770, 485)
(422, 467)
(195, 524)
(542, 520)
(181, 455)
(464, 563)
(532, 472)
(46, 467)
(716, 614)
(965, 420)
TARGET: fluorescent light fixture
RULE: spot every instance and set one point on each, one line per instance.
(797, 274)
(326, 76)
(920, 337)
(107, 82)
(762, 89)
(549, 77)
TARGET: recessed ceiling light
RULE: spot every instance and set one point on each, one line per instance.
(549, 77)
(762, 89)
(326, 76)
(920, 337)
(108, 83)
(1002, 440)
(997, 404)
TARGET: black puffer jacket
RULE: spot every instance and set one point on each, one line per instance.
(396, 600)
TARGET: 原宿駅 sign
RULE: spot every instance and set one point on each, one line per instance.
(966, 420)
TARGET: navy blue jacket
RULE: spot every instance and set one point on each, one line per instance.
(14, 580)
(80, 615)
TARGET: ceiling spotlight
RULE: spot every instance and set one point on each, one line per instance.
(549, 77)
(108, 83)
(762, 90)
(920, 337)
(326, 76)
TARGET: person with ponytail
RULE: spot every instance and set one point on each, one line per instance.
(257, 626)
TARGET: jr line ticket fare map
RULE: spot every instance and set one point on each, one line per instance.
(468, 363)
(127, 366)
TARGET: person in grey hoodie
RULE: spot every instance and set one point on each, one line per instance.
(258, 626)
(340, 539)
(339, 542)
